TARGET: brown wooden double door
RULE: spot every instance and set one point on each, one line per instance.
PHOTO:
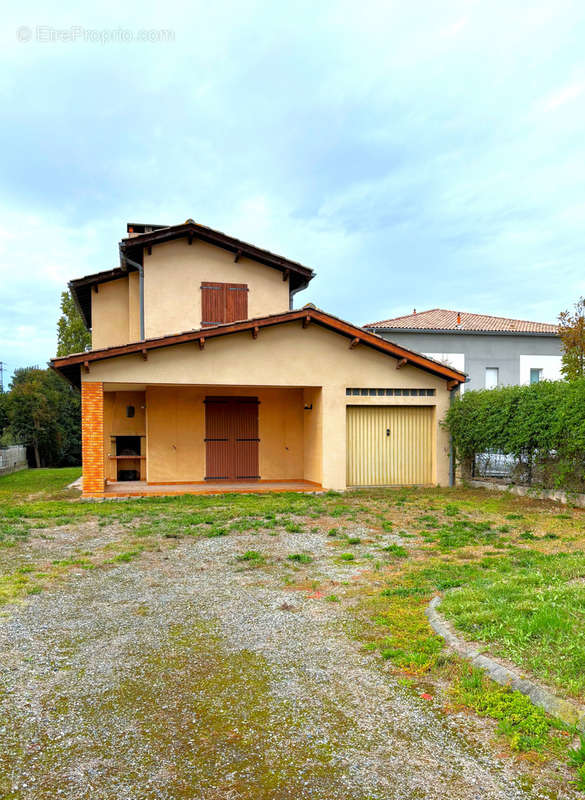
(231, 438)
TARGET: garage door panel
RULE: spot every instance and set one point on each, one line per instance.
(389, 445)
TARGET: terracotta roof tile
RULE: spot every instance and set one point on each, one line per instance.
(441, 319)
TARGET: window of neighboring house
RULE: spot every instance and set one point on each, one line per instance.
(535, 374)
(223, 302)
(491, 377)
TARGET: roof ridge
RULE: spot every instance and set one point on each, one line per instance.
(462, 313)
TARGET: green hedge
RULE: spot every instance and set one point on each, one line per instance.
(544, 424)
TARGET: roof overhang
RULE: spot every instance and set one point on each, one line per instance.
(70, 366)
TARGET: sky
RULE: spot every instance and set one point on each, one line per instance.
(415, 154)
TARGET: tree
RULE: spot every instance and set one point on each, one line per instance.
(72, 335)
(572, 333)
(44, 412)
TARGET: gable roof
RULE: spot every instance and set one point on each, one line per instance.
(70, 366)
(133, 247)
(439, 320)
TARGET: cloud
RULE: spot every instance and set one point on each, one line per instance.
(562, 96)
(405, 156)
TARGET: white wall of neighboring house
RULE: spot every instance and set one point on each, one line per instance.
(550, 366)
(455, 360)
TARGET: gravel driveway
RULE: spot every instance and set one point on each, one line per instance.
(188, 673)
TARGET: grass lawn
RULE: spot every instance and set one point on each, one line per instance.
(511, 572)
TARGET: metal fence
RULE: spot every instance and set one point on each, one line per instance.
(12, 459)
(494, 464)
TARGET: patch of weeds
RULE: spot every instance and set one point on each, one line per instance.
(514, 516)
(462, 533)
(293, 527)
(332, 598)
(301, 558)
(525, 726)
(340, 511)
(216, 531)
(396, 550)
(128, 555)
(354, 540)
(387, 525)
(347, 557)
(551, 536)
(429, 521)
(577, 754)
(527, 535)
(332, 532)
(451, 510)
(253, 557)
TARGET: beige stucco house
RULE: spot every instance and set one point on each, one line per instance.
(202, 377)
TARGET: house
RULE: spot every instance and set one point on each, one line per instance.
(202, 377)
(493, 351)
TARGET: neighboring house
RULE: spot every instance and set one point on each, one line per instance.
(493, 351)
(202, 375)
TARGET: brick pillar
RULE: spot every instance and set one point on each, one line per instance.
(92, 438)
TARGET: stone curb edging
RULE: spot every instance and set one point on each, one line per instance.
(554, 495)
(562, 709)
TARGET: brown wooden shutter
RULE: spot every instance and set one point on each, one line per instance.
(223, 302)
(212, 304)
(236, 302)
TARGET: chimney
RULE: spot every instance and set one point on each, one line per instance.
(459, 319)
(414, 310)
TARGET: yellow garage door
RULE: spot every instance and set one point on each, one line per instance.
(389, 445)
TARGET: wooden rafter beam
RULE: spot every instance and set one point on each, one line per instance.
(237, 256)
(149, 250)
(286, 275)
(402, 362)
(86, 366)
(144, 354)
(201, 341)
(452, 385)
(255, 331)
(354, 343)
(306, 321)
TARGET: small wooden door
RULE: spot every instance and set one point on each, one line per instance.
(231, 438)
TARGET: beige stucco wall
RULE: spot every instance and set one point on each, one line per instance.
(116, 423)
(288, 355)
(176, 429)
(109, 314)
(172, 284)
(173, 274)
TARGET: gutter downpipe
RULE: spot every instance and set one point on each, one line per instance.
(140, 268)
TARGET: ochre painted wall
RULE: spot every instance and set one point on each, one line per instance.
(290, 356)
(109, 314)
(176, 430)
(172, 285)
(173, 274)
(312, 435)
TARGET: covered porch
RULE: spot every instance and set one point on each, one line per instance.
(209, 439)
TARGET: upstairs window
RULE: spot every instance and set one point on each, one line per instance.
(491, 377)
(223, 302)
(535, 374)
